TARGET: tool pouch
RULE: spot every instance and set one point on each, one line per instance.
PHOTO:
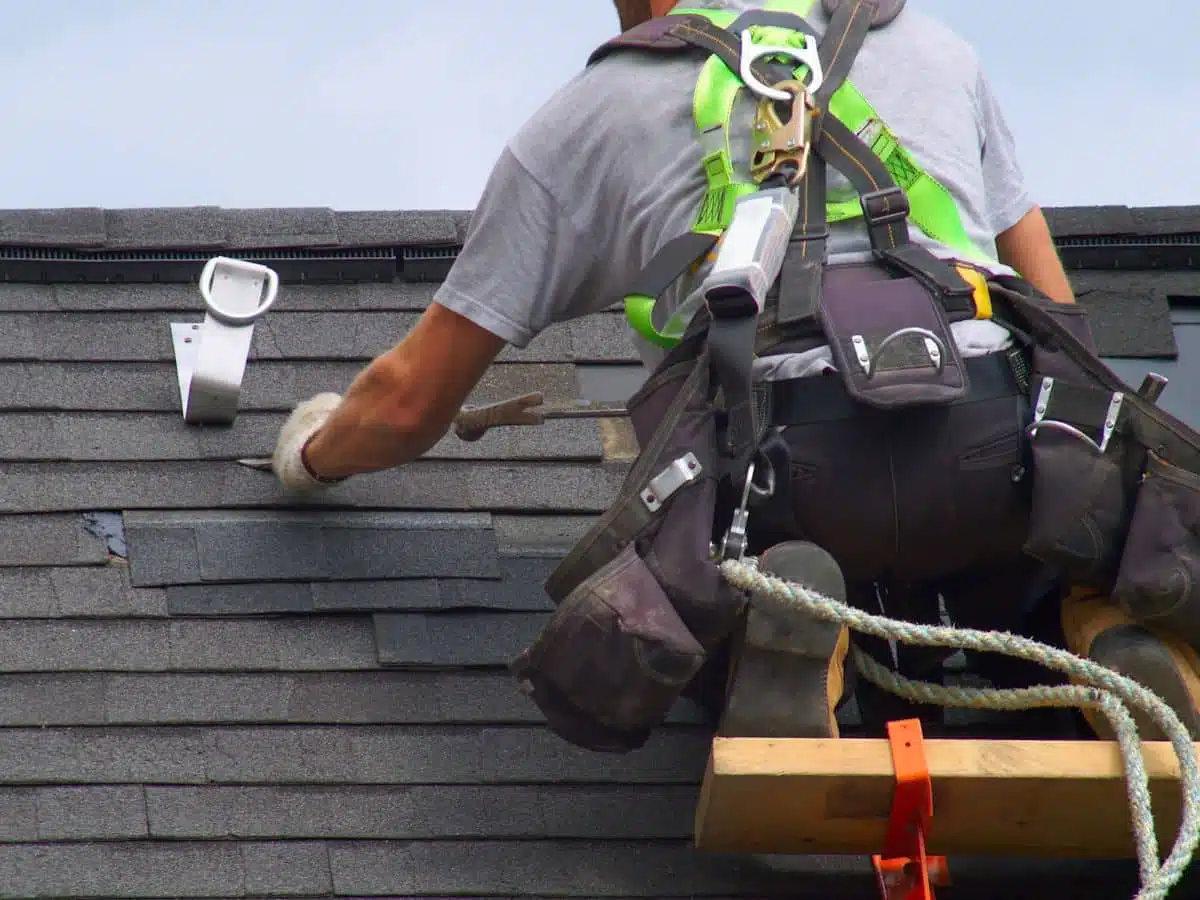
(891, 341)
(1086, 460)
(1158, 582)
(640, 599)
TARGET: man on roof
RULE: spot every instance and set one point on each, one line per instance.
(873, 132)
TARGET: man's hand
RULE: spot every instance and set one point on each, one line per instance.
(288, 461)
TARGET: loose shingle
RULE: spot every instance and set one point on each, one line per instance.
(1180, 283)
(422, 485)
(1090, 221)
(450, 639)
(297, 546)
(104, 756)
(540, 536)
(418, 812)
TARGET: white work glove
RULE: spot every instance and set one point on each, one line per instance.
(301, 425)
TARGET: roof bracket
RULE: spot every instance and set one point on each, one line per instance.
(904, 870)
(211, 356)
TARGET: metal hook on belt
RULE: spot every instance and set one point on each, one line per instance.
(735, 542)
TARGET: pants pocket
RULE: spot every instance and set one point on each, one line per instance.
(613, 660)
(1160, 566)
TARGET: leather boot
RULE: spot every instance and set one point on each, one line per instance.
(787, 674)
(1096, 628)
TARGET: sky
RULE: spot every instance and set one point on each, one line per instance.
(404, 104)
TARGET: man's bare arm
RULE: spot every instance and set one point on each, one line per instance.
(1029, 248)
(405, 400)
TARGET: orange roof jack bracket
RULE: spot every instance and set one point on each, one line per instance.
(903, 869)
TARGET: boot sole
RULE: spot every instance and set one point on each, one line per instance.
(787, 672)
(1141, 656)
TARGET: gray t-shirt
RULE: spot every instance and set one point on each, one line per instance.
(608, 170)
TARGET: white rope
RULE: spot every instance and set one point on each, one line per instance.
(1105, 690)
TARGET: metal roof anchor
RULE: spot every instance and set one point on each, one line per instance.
(211, 356)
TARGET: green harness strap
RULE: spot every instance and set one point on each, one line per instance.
(932, 208)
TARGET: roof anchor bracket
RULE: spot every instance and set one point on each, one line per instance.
(211, 356)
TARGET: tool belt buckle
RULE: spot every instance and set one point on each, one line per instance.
(778, 143)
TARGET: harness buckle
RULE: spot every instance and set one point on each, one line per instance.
(778, 143)
(889, 204)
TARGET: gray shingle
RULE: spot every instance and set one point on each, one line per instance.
(558, 869)
(427, 755)
(300, 644)
(18, 815)
(1082, 221)
(397, 227)
(119, 869)
(293, 546)
(104, 756)
(540, 536)
(306, 698)
(312, 227)
(82, 646)
(57, 699)
(432, 484)
(88, 813)
(146, 337)
(420, 812)
(1160, 282)
(81, 591)
(1126, 324)
(454, 638)
(74, 227)
(294, 868)
(85, 437)
(1167, 219)
(47, 541)
(269, 386)
(511, 594)
(187, 228)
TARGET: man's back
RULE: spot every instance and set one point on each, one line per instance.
(609, 170)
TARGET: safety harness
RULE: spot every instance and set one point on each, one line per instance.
(641, 602)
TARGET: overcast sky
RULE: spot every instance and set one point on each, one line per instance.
(385, 104)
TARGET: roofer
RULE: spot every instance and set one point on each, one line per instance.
(900, 417)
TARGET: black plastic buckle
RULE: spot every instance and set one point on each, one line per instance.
(885, 206)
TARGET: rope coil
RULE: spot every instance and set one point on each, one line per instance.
(1105, 690)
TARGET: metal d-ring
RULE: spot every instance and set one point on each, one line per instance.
(807, 55)
(939, 362)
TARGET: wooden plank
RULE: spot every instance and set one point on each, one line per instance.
(1050, 799)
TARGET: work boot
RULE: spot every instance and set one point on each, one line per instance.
(787, 674)
(1098, 629)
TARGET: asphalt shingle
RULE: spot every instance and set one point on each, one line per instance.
(287, 545)
(422, 485)
(451, 639)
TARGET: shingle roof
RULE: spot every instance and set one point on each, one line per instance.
(207, 690)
